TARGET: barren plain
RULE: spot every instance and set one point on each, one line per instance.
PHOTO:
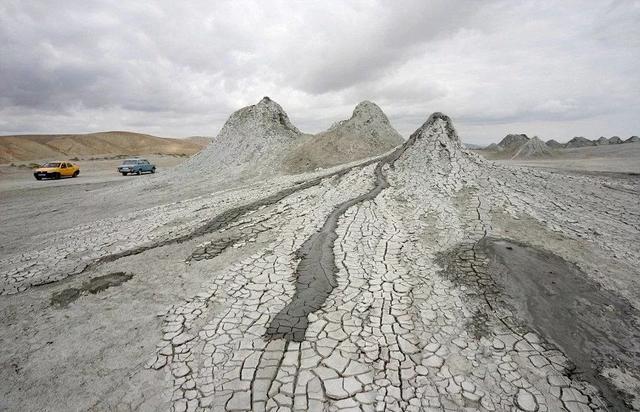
(423, 278)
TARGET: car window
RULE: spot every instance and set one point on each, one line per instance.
(54, 164)
(145, 162)
(63, 166)
(129, 162)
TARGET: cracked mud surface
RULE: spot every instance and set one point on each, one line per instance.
(595, 328)
(418, 315)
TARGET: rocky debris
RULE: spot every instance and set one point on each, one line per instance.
(615, 140)
(533, 148)
(602, 141)
(579, 141)
(554, 144)
(367, 133)
(632, 139)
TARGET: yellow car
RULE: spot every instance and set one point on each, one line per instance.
(56, 170)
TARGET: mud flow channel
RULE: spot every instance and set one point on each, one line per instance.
(595, 328)
(316, 273)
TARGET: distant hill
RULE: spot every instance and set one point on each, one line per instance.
(554, 144)
(518, 146)
(579, 141)
(201, 140)
(533, 147)
(513, 141)
(66, 146)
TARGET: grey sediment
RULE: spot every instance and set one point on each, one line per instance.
(315, 275)
(216, 223)
(595, 328)
(93, 286)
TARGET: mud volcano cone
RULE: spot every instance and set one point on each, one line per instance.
(253, 141)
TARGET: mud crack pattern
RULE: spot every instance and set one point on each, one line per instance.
(410, 319)
(396, 331)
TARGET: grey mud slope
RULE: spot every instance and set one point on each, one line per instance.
(369, 290)
(315, 274)
(369, 320)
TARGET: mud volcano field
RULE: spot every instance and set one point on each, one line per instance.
(402, 277)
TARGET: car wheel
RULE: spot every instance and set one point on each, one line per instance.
(76, 173)
(138, 172)
(38, 178)
(56, 176)
(124, 173)
(153, 170)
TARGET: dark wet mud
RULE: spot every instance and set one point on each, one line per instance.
(595, 328)
(316, 272)
(93, 286)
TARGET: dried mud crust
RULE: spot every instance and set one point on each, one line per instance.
(85, 247)
(390, 331)
(530, 289)
(399, 329)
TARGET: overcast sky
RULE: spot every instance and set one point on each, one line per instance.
(172, 68)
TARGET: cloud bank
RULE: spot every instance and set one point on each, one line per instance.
(556, 69)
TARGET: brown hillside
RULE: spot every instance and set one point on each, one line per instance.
(36, 147)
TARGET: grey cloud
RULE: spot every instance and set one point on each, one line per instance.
(176, 69)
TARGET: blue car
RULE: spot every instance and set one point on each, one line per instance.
(136, 166)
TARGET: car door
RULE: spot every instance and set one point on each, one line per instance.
(146, 166)
(64, 170)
